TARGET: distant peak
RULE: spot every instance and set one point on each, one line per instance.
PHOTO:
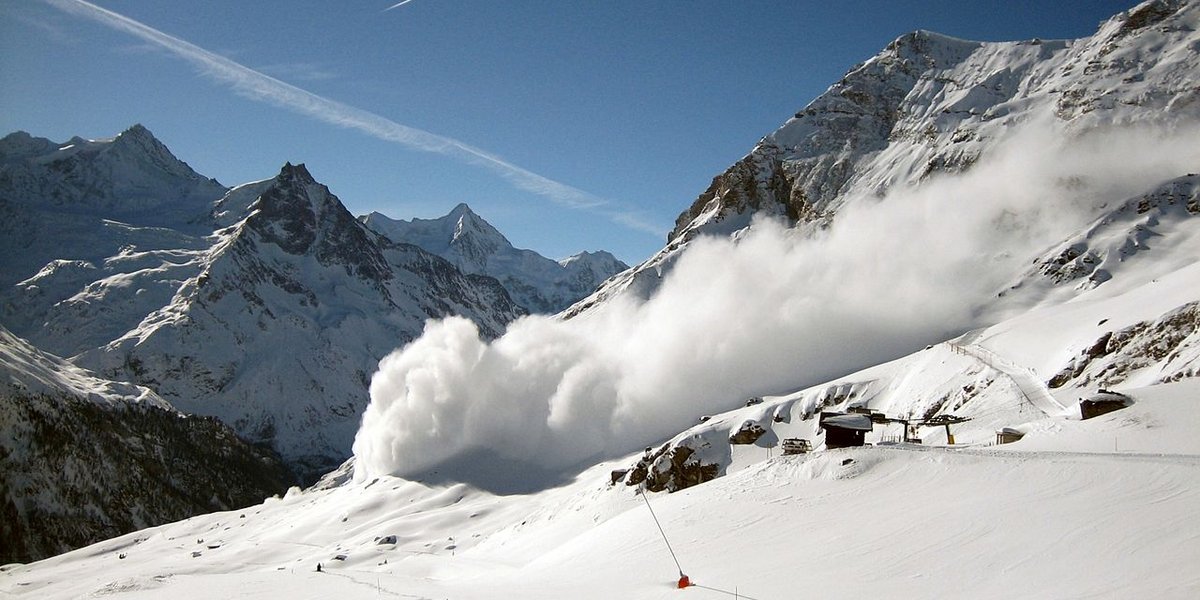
(461, 209)
(138, 133)
(17, 136)
(921, 39)
(20, 144)
(601, 257)
(137, 129)
(297, 172)
(136, 138)
(1148, 13)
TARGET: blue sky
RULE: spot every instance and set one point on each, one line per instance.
(569, 125)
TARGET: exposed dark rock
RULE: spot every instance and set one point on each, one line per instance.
(670, 469)
(748, 433)
(1117, 354)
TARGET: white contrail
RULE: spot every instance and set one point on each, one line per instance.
(397, 5)
(257, 86)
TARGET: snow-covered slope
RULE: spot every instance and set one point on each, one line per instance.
(931, 105)
(469, 242)
(285, 318)
(84, 459)
(1060, 514)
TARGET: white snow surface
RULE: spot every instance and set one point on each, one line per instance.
(1061, 514)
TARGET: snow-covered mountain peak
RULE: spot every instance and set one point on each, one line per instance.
(302, 217)
(929, 48)
(474, 246)
(588, 256)
(474, 236)
(137, 136)
(131, 178)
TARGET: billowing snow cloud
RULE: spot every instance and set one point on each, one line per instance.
(770, 311)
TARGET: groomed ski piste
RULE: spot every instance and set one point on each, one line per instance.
(1098, 508)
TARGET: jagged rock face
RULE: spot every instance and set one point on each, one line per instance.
(1114, 241)
(301, 217)
(748, 433)
(84, 459)
(535, 282)
(289, 314)
(929, 103)
(1167, 347)
(671, 468)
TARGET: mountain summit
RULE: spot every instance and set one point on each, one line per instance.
(132, 177)
(473, 245)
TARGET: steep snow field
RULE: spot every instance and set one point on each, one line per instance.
(1051, 516)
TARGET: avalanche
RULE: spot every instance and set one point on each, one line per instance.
(942, 253)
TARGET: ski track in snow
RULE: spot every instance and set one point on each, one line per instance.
(1027, 382)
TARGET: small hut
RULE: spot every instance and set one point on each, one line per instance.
(1102, 403)
(844, 431)
(1008, 435)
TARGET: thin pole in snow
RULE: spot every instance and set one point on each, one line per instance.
(660, 530)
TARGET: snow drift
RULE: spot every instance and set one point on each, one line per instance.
(769, 309)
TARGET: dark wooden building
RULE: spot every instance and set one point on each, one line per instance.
(844, 431)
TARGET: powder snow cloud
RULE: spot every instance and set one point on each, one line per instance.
(771, 310)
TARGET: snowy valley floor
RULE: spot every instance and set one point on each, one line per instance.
(1103, 508)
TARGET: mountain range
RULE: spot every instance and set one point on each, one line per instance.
(962, 242)
(121, 258)
(535, 282)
